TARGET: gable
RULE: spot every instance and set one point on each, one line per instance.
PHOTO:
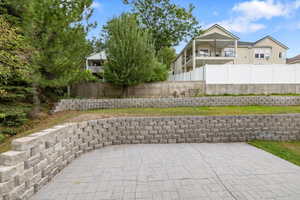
(269, 42)
(220, 31)
(97, 56)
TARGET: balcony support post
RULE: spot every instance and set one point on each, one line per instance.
(184, 70)
(235, 48)
(194, 54)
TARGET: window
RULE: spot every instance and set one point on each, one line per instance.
(203, 52)
(229, 52)
(262, 53)
(280, 54)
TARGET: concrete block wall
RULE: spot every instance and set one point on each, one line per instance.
(87, 104)
(35, 159)
(158, 89)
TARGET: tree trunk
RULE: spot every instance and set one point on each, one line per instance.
(124, 91)
(69, 91)
(36, 101)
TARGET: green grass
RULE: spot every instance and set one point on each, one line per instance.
(289, 151)
(226, 110)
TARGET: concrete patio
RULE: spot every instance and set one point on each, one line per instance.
(231, 171)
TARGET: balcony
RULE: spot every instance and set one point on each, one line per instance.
(215, 55)
(95, 69)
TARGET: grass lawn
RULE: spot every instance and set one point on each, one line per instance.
(76, 116)
(225, 110)
(289, 151)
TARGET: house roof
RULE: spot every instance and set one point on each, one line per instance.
(97, 56)
(241, 43)
(223, 29)
(273, 39)
(294, 59)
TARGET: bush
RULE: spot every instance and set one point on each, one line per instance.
(9, 131)
(13, 115)
(159, 73)
(2, 137)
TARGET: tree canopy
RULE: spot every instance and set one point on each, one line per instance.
(168, 23)
(13, 57)
(55, 30)
(130, 52)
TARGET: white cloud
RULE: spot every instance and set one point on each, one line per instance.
(96, 4)
(248, 13)
(257, 9)
(241, 25)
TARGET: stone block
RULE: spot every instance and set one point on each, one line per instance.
(7, 173)
(10, 158)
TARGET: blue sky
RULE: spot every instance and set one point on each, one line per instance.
(248, 19)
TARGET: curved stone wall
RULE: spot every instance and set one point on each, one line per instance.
(86, 104)
(37, 158)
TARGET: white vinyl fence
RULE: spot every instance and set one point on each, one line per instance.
(195, 75)
(243, 74)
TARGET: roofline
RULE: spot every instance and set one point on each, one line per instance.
(273, 39)
(223, 29)
(215, 25)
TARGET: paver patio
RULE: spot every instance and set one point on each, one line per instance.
(176, 171)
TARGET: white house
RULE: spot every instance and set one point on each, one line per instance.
(95, 62)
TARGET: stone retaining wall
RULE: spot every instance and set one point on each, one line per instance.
(37, 158)
(86, 104)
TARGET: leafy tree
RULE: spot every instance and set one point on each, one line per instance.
(167, 55)
(167, 22)
(57, 31)
(159, 72)
(97, 44)
(130, 53)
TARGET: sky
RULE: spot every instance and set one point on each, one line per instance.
(250, 20)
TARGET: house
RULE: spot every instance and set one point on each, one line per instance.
(95, 62)
(294, 60)
(219, 46)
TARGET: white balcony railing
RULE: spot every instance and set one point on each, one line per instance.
(95, 69)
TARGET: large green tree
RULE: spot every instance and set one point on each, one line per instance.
(57, 31)
(168, 23)
(131, 54)
(13, 59)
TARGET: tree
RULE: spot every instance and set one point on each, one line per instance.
(167, 22)
(57, 31)
(130, 53)
(13, 58)
(97, 44)
(167, 55)
(14, 78)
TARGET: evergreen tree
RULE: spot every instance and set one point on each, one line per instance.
(57, 31)
(14, 67)
(14, 78)
(131, 55)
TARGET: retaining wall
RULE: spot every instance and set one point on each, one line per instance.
(37, 158)
(159, 89)
(86, 104)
